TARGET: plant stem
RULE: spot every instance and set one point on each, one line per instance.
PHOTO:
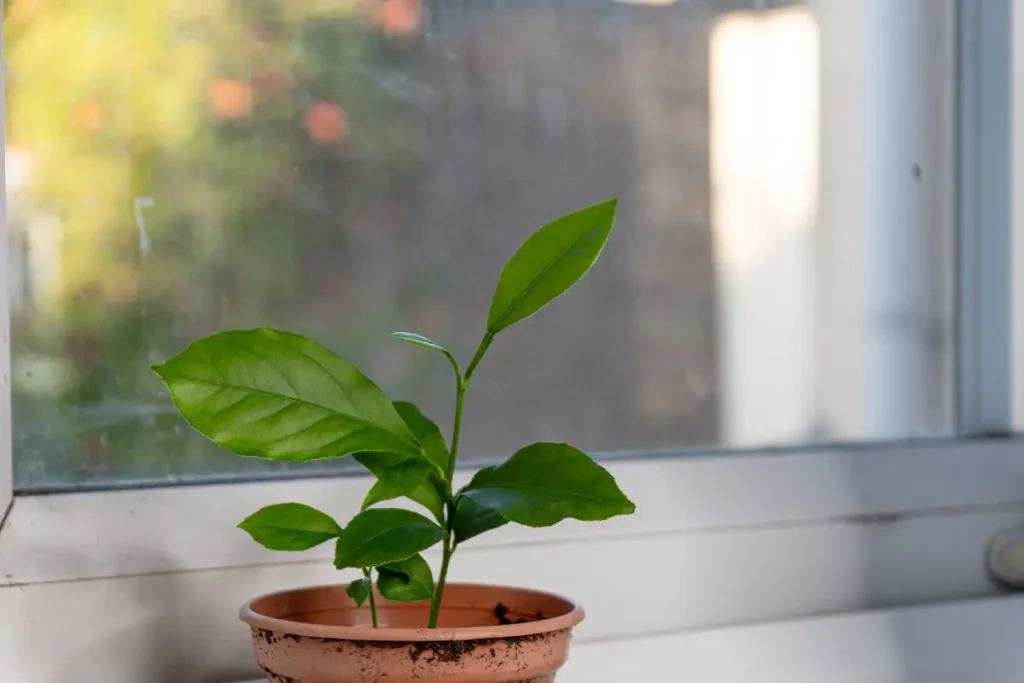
(455, 367)
(373, 608)
(485, 343)
(449, 539)
(373, 603)
(461, 383)
(460, 395)
(435, 604)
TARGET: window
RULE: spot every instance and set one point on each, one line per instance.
(349, 168)
(810, 278)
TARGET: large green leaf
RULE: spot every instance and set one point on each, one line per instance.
(406, 581)
(381, 535)
(290, 526)
(548, 263)
(359, 590)
(544, 483)
(413, 477)
(278, 395)
(427, 433)
(472, 519)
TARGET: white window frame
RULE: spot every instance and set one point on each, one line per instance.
(722, 537)
(985, 218)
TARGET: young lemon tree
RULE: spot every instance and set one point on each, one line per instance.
(278, 395)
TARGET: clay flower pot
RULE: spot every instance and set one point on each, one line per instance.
(485, 634)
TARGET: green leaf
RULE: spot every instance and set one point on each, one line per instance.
(290, 526)
(427, 433)
(472, 519)
(406, 581)
(381, 535)
(544, 483)
(359, 590)
(278, 395)
(420, 340)
(399, 480)
(549, 263)
(396, 478)
(427, 493)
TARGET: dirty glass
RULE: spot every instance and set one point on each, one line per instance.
(345, 168)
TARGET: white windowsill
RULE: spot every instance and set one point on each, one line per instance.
(63, 537)
(716, 542)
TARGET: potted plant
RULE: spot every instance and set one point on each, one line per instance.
(278, 395)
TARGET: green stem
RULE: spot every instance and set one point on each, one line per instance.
(485, 343)
(449, 546)
(455, 367)
(373, 603)
(461, 383)
(373, 608)
(460, 395)
(446, 558)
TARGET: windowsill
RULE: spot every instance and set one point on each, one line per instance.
(968, 641)
(736, 540)
(135, 532)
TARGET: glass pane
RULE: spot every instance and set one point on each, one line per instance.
(344, 168)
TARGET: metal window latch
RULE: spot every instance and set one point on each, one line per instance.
(1006, 558)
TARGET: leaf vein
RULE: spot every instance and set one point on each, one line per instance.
(310, 404)
(337, 382)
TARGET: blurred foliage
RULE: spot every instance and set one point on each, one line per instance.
(176, 167)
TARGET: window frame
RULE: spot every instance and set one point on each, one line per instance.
(6, 445)
(985, 217)
(141, 532)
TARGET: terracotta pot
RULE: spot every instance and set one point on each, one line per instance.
(485, 634)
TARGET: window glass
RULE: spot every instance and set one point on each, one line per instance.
(345, 168)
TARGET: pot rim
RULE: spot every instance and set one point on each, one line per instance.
(366, 633)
